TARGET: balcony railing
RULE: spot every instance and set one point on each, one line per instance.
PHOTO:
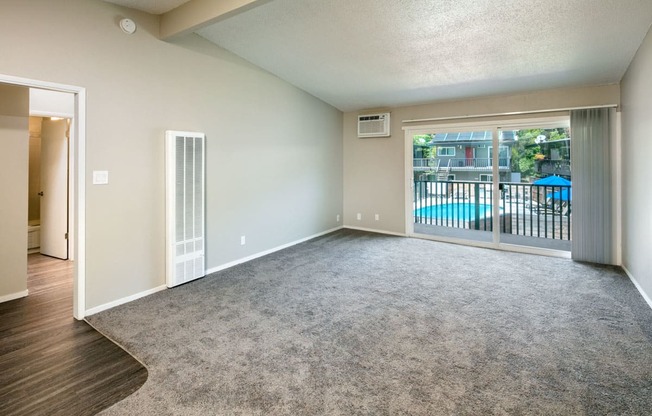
(525, 209)
(460, 163)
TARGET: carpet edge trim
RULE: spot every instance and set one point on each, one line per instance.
(638, 287)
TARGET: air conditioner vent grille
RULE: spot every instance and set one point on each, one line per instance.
(373, 125)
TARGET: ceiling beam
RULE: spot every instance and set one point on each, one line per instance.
(196, 14)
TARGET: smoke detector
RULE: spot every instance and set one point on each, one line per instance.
(128, 26)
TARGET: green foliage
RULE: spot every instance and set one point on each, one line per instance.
(525, 149)
(557, 134)
(421, 148)
(523, 152)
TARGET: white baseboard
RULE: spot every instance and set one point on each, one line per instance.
(638, 287)
(97, 309)
(372, 230)
(266, 252)
(131, 298)
(12, 296)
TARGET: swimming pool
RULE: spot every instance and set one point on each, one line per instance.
(461, 211)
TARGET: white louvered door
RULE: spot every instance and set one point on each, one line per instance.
(185, 200)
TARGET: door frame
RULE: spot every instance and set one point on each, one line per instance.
(495, 126)
(77, 160)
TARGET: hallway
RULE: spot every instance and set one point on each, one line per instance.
(49, 362)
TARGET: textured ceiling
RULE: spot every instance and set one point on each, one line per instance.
(150, 6)
(357, 54)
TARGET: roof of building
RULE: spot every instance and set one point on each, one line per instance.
(471, 137)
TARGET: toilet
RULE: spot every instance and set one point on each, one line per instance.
(33, 236)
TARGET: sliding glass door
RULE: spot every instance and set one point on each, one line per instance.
(462, 188)
(452, 183)
(535, 194)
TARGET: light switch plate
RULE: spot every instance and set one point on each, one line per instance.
(100, 177)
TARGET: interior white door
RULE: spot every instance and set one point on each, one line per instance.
(54, 188)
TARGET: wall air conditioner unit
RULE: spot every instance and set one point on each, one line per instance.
(185, 173)
(373, 125)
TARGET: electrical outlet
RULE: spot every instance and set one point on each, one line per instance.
(337, 217)
(243, 241)
(359, 216)
(377, 216)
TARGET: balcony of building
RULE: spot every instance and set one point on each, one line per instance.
(460, 164)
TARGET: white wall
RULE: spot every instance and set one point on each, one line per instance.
(374, 169)
(636, 89)
(47, 103)
(274, 152)
(14, 155)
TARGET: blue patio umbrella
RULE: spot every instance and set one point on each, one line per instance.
(552, 181)
(564, 194)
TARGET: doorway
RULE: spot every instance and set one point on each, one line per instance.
(508, 199)
(48, 192)
(76, 174)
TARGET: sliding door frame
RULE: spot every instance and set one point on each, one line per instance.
(495, 126)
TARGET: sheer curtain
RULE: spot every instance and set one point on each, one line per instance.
(592, 199)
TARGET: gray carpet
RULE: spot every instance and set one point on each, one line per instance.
(356, 323)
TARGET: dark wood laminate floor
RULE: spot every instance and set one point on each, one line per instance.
(52, 364)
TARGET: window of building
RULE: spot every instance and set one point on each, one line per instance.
(446, 151)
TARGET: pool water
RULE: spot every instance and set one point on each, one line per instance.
(463, 212)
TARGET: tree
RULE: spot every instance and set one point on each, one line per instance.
(422, 147)
(524, 152)
(527, 148)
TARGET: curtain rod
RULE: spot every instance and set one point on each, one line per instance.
(515, 113)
